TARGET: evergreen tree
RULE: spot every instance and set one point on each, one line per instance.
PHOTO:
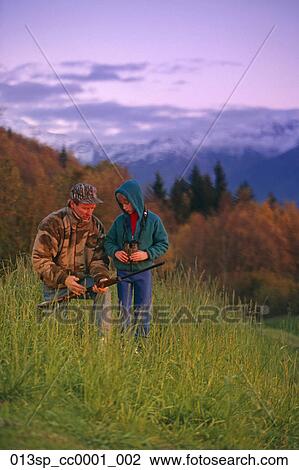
(196, 190)
(180, 200)
(208, 195)
(271, 200)
(63, 157)
(244, 193)
(220, 184)
(158, 188)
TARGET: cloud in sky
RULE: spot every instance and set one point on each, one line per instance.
(106, 72)
(31, 92)
(115, 123)
(107, 110)
(35, 101)
(192, 65)
(36, 104)
(87, 71)
(131, 122)
(134, 54)
(180, 82)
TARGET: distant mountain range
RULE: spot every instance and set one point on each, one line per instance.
(257, 145)
(264, 171)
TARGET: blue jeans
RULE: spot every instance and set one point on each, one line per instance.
(101, 306)
(141, 285)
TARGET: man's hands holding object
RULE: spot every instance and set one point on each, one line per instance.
(76, 288)
(72, 285)
(100, 290)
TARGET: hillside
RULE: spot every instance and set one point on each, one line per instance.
(35, 182)
(34, 160)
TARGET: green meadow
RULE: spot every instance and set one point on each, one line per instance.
(221, 382)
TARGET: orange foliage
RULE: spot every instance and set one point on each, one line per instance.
(243, 238)
(33, 184)
(253, 247)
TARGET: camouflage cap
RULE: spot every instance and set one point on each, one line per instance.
(84, 194)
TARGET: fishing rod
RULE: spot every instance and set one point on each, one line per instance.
(102, 284)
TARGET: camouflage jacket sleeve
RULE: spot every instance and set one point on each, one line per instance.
(45, 249)
(99, 265)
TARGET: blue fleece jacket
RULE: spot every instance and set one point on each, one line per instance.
(150, 231)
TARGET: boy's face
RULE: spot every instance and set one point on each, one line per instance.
(125, 204)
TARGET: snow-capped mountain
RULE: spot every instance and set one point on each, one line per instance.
(266, 171)
(237, 132)
(249, 142)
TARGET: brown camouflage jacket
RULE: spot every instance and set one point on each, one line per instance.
(66, 245)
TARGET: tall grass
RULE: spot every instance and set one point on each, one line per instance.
(287, 323)
(210, 384)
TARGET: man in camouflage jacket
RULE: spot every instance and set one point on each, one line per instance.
(68, 252)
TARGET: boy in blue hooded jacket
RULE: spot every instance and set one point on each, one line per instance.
(136, 238)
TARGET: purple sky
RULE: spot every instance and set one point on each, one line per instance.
(136, 67)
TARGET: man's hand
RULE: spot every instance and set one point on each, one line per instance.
(121, 256)
(72, 285)
(139, 256)
(100, 290)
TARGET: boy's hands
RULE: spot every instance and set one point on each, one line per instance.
(136, 256)
(139, 256)
(121, 256)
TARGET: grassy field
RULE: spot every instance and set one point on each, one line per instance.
(287, 323)
(218, 383)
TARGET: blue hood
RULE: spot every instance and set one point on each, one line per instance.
(132, 191)
(150, 231)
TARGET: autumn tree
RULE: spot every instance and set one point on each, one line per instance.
(244, 193)
(33, 185)
(10, 216)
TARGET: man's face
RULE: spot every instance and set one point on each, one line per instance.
(84, 211)
(126, 205)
